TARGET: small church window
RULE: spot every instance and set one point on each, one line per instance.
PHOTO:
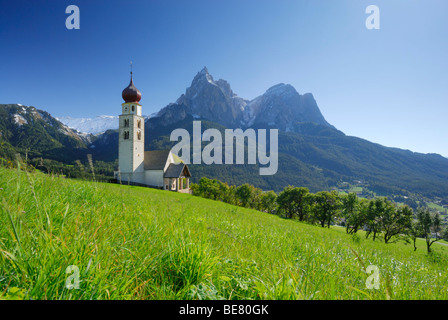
(139, 123)
(126, 123)
(139, 135)
(133, 108)
(126, 135)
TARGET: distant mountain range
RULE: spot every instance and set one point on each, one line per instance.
(95, 125)
(312, 152)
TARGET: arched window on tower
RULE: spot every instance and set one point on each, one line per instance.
(133, 108)
(126, 135)
(126, 123)
(139, 124)
(139, 135)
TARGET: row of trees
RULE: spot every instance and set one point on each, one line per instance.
(381, 216)
(245, 195)
(377, 216)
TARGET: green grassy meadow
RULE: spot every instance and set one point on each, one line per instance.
(356, 189)
(140, 243)
(436, 206)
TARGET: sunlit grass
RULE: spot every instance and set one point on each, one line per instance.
(139, 243)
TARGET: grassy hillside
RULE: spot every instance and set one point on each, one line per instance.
(138, 243)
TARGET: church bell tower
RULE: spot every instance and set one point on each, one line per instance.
(131, 149)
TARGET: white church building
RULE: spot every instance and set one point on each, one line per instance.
(159, 168)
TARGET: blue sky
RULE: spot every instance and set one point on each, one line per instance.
(388, 86)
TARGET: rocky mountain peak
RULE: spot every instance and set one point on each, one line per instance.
(204, 71)
(202, 76)
(281, 106)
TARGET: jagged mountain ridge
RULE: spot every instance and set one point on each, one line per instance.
(280, 106)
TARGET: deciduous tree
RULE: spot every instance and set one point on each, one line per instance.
(351, 211)
(268, 201)
(374, 213)
(291, 201)
(430, 222)
(395, 221)
(324, 207)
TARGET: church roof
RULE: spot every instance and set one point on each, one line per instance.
(156, 159)
(176, 170)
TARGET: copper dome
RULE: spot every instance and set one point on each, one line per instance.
(131, 93)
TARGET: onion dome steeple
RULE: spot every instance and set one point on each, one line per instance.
(131, 93)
